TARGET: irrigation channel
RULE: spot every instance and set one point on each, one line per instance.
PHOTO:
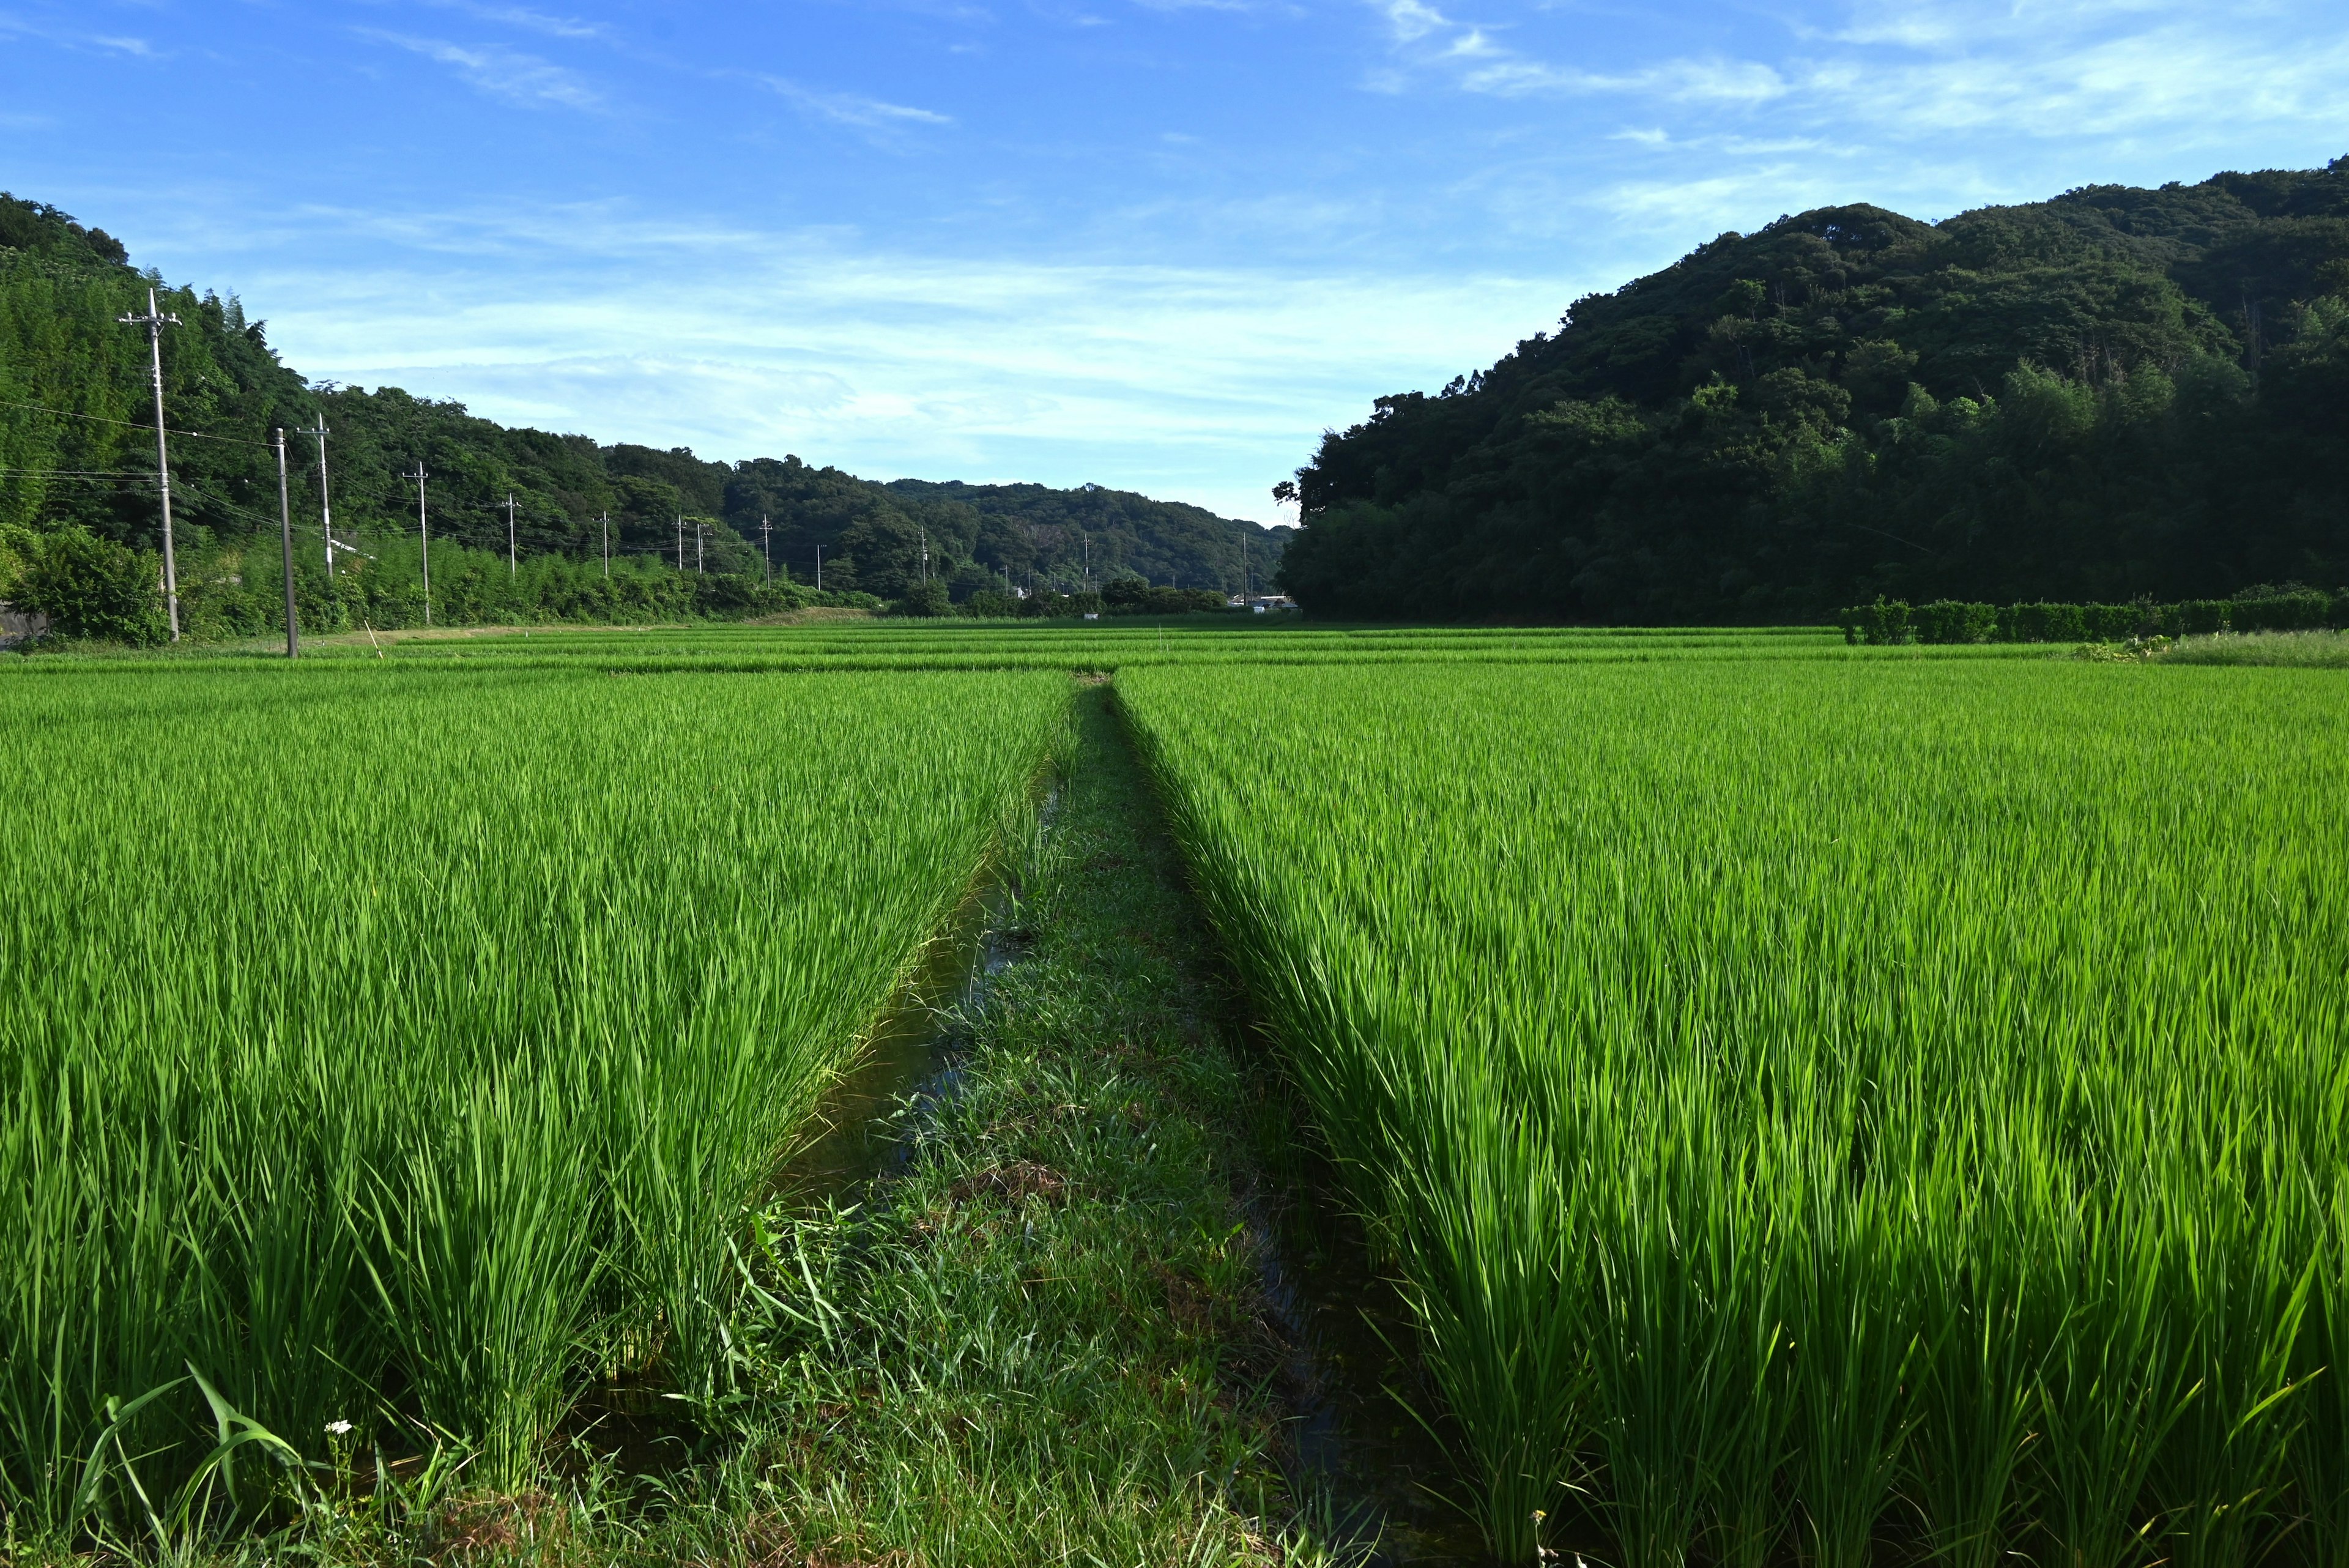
(1354, 1445)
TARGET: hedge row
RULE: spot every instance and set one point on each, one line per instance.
(1957, 620)
(93, 588)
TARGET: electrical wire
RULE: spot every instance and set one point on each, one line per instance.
(146, 473)
(129, 424)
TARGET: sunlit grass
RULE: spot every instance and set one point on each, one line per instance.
(403, 1047)
(1815, 1104)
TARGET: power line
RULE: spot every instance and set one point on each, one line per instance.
(132, 424)
(146, 475)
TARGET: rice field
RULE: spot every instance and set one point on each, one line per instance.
(1819, 1108)
(1823, 1103)
(400, 1046)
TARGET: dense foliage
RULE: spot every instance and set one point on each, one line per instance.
(1960, 621)
(2115, 393)
(77, 448)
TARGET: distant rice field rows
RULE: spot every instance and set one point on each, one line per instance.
(402, 1046)
(1824, 1106)
(1112, 644)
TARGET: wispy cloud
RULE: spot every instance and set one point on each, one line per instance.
(501, 72)
(889, 362)
(523, 17)
(15, 24)
(854, 109)
(1900, 72)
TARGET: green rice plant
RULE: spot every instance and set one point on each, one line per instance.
(1824, 1104)
(405, 1045)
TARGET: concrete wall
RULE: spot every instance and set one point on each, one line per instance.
(16, 625)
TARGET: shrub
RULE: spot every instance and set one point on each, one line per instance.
(989, 604)
(88, 585)
(2046, 622)
(1885, 621)
(926, 597)
(2305, 611)
(1954, 621)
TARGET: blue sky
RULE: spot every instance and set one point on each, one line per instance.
(1153, 244)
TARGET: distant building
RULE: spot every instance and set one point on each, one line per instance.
(1264, 604)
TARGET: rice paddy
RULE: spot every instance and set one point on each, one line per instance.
(1820, 1110)
(403, 1049)
(1823, 1104)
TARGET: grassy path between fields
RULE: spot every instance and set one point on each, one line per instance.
(1044, 1340)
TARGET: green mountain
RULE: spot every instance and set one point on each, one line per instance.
(77, 446)
(2115, 393)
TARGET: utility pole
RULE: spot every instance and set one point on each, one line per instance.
(510, 537)
(154, 321)
(680, 541)
(700, 531)
(608, 546)
(1244, 566)
(423, 532)
(819, 568)
(325, 510)
(766, 547)
(925, 554)
(285, 526)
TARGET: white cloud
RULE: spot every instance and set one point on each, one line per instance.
(852, 110)
(523, 16)
(1906, 71)
(1203, 384)
(501, 72)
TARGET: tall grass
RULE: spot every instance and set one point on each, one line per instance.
(402, 1046)
(2325, 649)
(1818, 1106)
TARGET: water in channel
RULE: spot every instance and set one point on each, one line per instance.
(1353, 1443)
(910, 1061)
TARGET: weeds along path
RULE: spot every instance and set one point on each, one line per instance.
(1824, 1111)
(402, 1050)
(1044, 1341)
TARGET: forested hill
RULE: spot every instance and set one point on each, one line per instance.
(2117, 392)
(77, 445)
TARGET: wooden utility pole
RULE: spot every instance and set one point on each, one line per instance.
(424, 534)
(285, 530)
(154, 321)
(326, 511)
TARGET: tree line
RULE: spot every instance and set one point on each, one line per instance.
(76, 456)
(2117, 394)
